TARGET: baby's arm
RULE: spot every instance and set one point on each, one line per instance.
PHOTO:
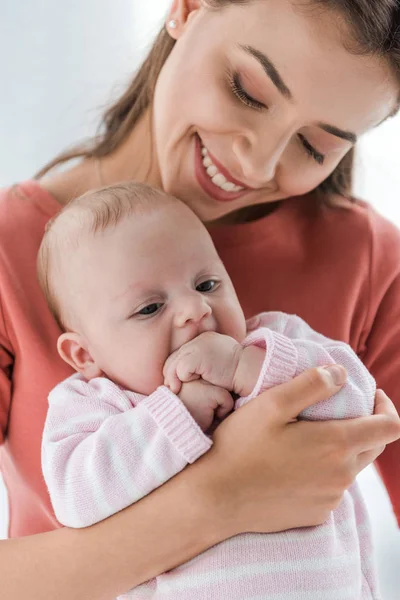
(291, 347)
(103, 448)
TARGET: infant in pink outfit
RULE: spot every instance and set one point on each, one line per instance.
(153, 327)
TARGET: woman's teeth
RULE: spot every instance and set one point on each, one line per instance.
(216, 177)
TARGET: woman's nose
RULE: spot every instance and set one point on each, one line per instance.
(192, 309)
(260, 156)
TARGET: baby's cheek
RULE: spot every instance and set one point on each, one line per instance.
(138, 366)
(236, 324)
(144, 376)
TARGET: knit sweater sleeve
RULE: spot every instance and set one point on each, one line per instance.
(292, 347)
(103, 448)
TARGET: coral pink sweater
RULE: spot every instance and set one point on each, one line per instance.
(338, 269)
(105, 448)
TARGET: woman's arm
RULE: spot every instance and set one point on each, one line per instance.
(264, 473)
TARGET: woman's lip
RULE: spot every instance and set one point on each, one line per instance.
(226, 173)
(205, 182)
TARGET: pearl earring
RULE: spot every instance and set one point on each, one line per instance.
(173, 24)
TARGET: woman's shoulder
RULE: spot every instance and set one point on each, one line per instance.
(357, 225)
(25, 209)
(382, 235)
(27, 196)
(365, 237)
(374, 221)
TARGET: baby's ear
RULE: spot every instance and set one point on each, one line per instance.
(72, 348)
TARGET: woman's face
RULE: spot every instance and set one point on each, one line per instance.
(260, 102)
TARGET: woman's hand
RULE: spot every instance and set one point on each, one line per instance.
(271, 473)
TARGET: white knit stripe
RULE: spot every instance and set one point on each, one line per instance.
(143, 592)
(104, 498)
(124, 469)
(153, 467)
(93, 502)
(340, 593)
(255, 568)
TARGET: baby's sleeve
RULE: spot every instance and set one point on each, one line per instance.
(103, 448)
(291, 347)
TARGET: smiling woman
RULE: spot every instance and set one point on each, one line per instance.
(248, 112)
(301, 99)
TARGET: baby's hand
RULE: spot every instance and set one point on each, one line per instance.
(205, 402)
(211, 356)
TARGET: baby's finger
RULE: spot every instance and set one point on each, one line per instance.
(225, 404)
(169, 363)
(187, 368)
(173, 382)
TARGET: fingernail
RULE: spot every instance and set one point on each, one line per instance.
(337, 373)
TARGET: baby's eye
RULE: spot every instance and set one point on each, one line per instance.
(151, 309)
(206, 286)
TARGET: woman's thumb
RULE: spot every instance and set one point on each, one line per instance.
(308, 388)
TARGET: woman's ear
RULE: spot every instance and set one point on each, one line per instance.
(72, 348)
(179, 14)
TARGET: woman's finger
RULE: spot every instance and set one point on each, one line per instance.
(308, 388)
(367, 458)
(384, 406)
(371, 432)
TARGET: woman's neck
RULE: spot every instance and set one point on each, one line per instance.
(133, 160)
(246, 214)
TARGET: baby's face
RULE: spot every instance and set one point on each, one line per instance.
(144, 288)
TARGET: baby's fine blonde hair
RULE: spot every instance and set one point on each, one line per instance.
(93, 212)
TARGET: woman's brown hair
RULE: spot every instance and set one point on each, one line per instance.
(375, 25)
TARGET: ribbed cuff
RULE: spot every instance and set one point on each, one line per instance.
(279, 364)
(175, 420)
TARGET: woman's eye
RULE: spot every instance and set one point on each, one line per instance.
(151, 309)
(240, 92)
(206, 286)
(311, 151)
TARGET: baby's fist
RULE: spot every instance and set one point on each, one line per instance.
(210, 356)
(205, 402)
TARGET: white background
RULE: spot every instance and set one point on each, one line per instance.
(60, 62)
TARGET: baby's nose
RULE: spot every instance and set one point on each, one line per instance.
(192, 310)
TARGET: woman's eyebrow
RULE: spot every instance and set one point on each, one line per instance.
(277, 80)
(269, 69)
(349, 136)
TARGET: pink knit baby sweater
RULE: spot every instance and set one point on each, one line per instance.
(104, 448)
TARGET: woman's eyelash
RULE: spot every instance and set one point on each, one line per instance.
(241, 94)
(317, 156)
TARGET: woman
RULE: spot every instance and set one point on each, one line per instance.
(247, 111)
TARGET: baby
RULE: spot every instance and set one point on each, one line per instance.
(153, 327)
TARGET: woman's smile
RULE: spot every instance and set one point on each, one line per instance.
(214, 179)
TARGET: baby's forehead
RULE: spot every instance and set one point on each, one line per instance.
(163, 232)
